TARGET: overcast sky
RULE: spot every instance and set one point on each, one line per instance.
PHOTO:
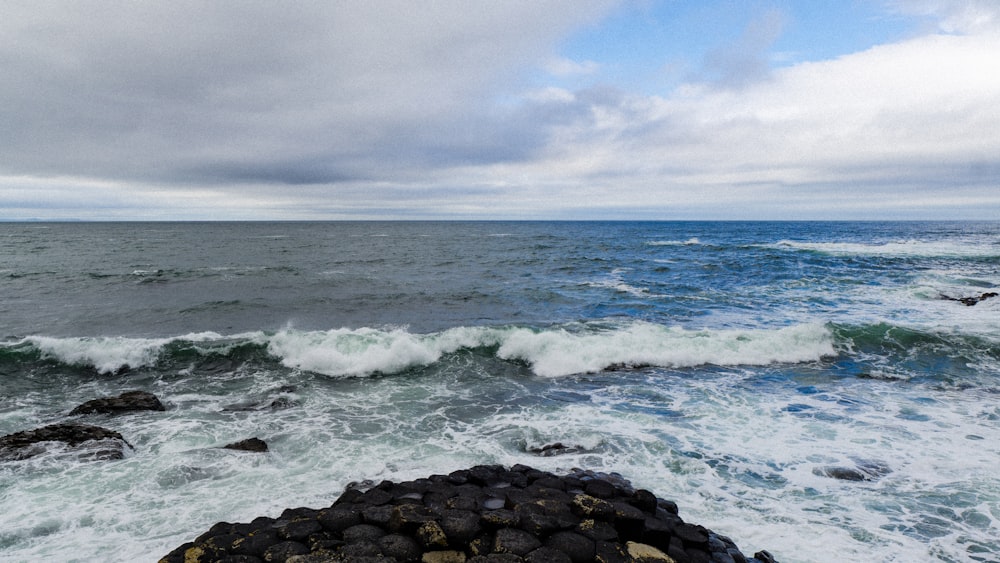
(500, 109)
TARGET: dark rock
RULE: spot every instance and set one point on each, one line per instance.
(513, 540)
(629, 521)
(445, 518)
(547, 555)
(610, 552)
(129, 401)
(866, 470)
(284, 550)
(558, 448)
(338, 519)
(496, 519)
(460, 526)
(580, 549)
(255, 543)
(107, 444)
(363, 532)
(402, 548)
(597, 530)
(587, 506)
(496, 558)
(691, 535)
(299, 530)
(644, 501)
(657, 533)
(764, 557)
(432, 536)
(407, 518)
(970, 301)
(378, 515)
(360, 549)
(248, 445)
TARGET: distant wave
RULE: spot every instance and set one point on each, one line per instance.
(689, 242)
(550, 352)
(903, 248)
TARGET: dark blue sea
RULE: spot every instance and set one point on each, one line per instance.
(740, 369)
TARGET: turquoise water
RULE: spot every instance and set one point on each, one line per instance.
(732, 367)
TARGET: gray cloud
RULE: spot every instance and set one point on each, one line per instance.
(289, 92)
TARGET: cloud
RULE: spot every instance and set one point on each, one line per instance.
(914, 120)
(313, 110)
(278, 92)
(954, 16)
(746, 60)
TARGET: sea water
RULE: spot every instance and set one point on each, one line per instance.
(736, 368)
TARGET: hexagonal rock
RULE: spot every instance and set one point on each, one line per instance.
(513, 540)
(444, 518)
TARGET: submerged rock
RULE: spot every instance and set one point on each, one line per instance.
(249, 445)
(485, 513)
(107, 444)
(866, 470)
(970, 301)
(129, 401)
(558, 448)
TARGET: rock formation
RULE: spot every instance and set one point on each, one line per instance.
(478, 515)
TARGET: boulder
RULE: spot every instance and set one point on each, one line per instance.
(107, 444)
(249, 445)
(970, 301)
(129, 401)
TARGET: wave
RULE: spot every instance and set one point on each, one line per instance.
(903, 248)
(693, 241)
(549, 352)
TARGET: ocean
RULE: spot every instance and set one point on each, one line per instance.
(802, 387)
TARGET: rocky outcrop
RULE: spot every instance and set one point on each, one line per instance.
(129, 401)
(248, 445)
(970, 301)
(90, 441)
(477, 515)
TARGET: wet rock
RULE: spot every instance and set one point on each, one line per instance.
(91, 441)
(866, 470)
(130, 401)
(248, 445)
(970, 301)
(446, 518)
(557, 448)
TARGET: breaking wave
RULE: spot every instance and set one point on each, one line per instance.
(549, 352)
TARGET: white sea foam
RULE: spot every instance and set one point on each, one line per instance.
(560, 352)
(689, 242)
(617, 282)
(915, 248)
(109, 354)
(550, 352)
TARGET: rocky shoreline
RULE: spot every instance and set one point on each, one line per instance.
(487, 513)
(478, 515)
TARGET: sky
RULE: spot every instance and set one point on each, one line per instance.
(509, 109)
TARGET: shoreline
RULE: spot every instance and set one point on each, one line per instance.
(487, 513)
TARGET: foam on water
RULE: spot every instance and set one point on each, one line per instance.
(551, 352)
(905, 248)
(108, 354)
(739, 450)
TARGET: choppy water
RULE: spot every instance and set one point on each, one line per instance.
(727, 366)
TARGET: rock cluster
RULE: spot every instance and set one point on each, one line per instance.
(479, 515)
(107, 444)
(94, 442)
